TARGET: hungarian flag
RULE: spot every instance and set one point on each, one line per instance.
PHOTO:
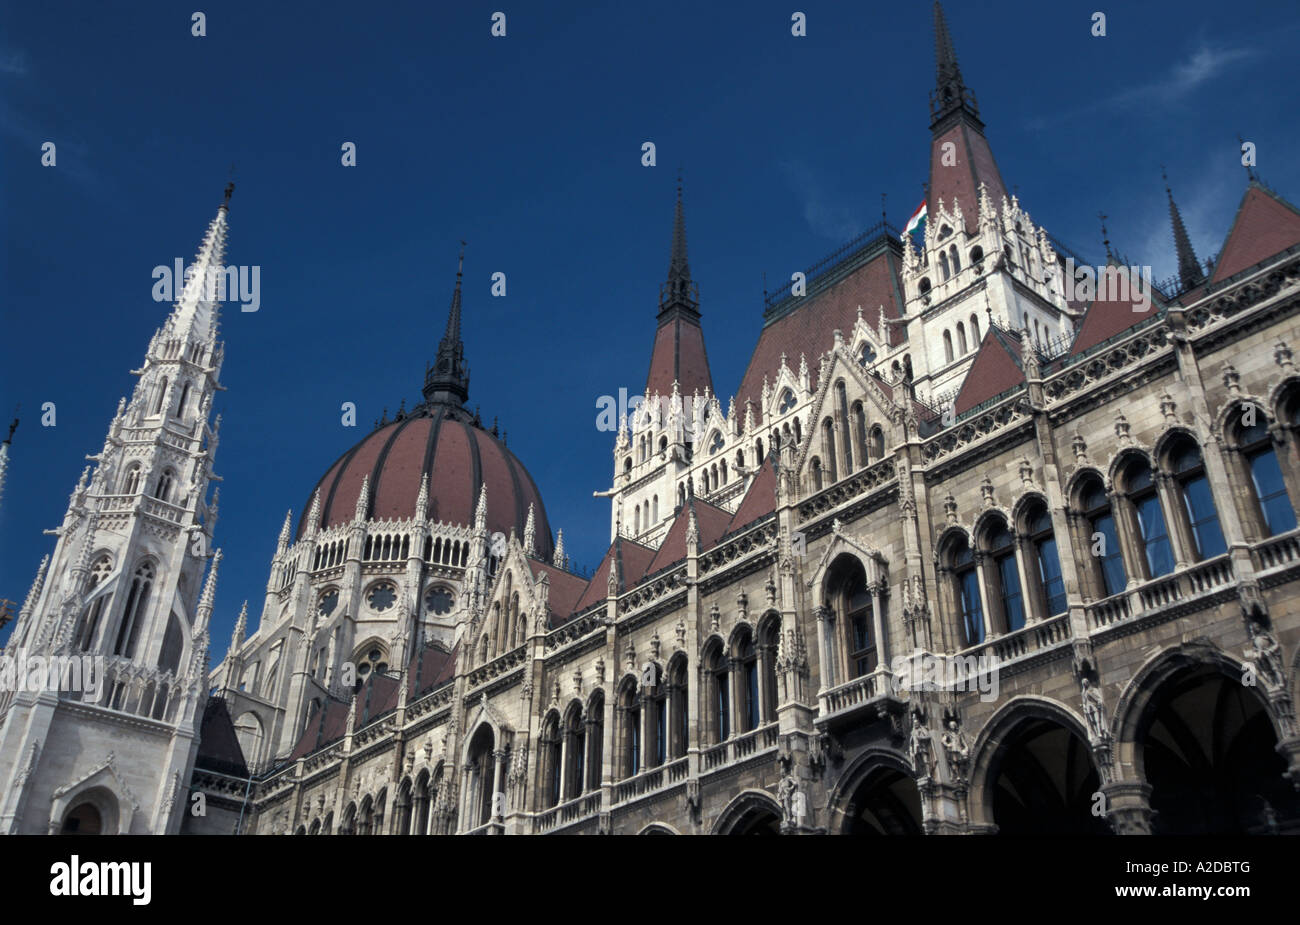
(917, 222)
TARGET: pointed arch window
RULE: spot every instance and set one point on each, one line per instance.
(551, 752)
(1273, 504)
(746, 662)
(816, 469)
(769, 636)
(859, 417)
(629, 708)
(877, 442)
(575, 748)
(955, 258)
(90, 619)
(965, 589)
(162, 395)
(718, 700)
(132, 483)
(961, 339)
(678, 709)
(164, 489)
(943, 265)
(656, 704)
(947, 347)
(595, 739)
(828, 445)
(1006, 595)
(974, 331)
(1044, 571)
(1139, 484)
(185, 397)
(1102, 540)
(1202, 518)
(133, 614)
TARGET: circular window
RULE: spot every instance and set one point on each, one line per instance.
(328, 601)
(438, 600)
(381, 596)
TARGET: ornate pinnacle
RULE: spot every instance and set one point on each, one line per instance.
(285, 531)
(422, 499)
(241, 628)
(559, 559)
(363, 499)
(37, 586)
(313, 514)
(530, 530)
(480, 512)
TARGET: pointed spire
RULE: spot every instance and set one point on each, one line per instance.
(363, 499)
(38, 585)
(209, 596)
(679, 290)
(678, 266)
(196, 312)
(422, 499)
(241, 629)
(1189, 268)
(559, 560)
(530, 530)
(480, 512)
(286, 531)
(447, 381)
(950, 93)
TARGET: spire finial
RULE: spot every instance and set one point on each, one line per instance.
(230, 188)
(950, 93)
(1189, 268)
(1105, 236)
(447, 381)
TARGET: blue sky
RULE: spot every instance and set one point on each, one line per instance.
(528, 147)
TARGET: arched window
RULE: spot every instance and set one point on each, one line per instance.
(955, 258)
(974, 330)
(943, 265)
(1140, 488)
(1201, 517)
(965, 589)
(185, 397)
(798, 432)
(679, 709)
(758, 453)
(769, 636)
(164, 489)
(1044, 571)
(1102, 540)
(924, 286)
(654, 509)
(828, 447)
(595, 739)
(849, 598)
(629, 710)
(816, 469)
(1273, 511)
(877, 442)
(482, 776)
(132, 484)
(718, 698)
(1005, 595)
(746, 662)
(627, 465)
(551, 751)
(575, 749)
(656, 702)
(663, 445)
(844, 416)
(976, 254)
(947, 347)
(162, 395)
(961, 338)
(636, 519)
(85, 638)
(859, 418)
(133, 614)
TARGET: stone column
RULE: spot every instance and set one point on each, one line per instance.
(1128, 807)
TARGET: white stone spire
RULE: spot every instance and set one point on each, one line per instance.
(480, 512)
(282, 543)
(241, 629)
(530, 530)
(363, 499)
(559, 559)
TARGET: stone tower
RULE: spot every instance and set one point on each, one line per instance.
(123, 599)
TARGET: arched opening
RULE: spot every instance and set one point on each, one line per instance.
(481, 776)
(1208, 750)
(750, 814)
(849, 599)
(886, 802)
(629, 729)
(1042, 782)
(82, 819)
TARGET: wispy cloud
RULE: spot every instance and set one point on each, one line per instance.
(825, 215)
(1186, 76)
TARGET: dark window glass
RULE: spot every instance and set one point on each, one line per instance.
(1204, 518)
(1012, 600)
(1274, 502)
(1160, 559)
(1112, 560)
(1049, 573)
(972, 610)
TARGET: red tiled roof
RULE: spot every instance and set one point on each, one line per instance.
(459, 457)
(1107, 317)
(712, 522)
(1265, 225)
(808, 330)
(430, 666)
(635, 560)
(759, 500)
(995, 370)
(960, 182)
(565, 592)
(323, 727)
(679, 355)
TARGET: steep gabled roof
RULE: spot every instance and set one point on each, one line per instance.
(633, 558)
(431, 665)
(218, 744)
(759, 500)
(323, 727)
(565, 591)
(1107, 317)
(808, 329)
(995, 370)
(1265, 224)
(711, 522)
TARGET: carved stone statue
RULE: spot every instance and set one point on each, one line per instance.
(785, 792)
(956, 748)
(1267, 656)
(922, 748)
(1094, 710)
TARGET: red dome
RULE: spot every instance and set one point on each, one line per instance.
(459, 457)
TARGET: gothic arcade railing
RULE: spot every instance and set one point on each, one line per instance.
(574, 810)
